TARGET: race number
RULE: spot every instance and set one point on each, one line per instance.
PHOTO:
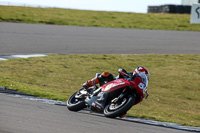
(142, 87)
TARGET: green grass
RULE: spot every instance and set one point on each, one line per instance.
(173, 86)
(97, 18)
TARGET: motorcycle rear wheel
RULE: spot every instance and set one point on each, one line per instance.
(75, 104)
(113, 110)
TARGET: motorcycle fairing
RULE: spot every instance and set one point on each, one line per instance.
(121, 83)
(136, 83)
(115, 85)
(98, 102)
(112, 87)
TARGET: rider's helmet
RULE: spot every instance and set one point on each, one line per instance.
(141, 71)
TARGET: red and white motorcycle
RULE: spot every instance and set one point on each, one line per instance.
(114, 98)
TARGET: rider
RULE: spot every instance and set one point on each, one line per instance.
(106, 77)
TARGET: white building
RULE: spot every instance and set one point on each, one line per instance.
(190, 2)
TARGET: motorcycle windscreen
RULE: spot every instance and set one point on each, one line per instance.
(115, 85)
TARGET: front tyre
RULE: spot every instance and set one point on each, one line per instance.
(75, 104)
(115, 109)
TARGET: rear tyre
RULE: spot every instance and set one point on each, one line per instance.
(113, 110)
(75, 104)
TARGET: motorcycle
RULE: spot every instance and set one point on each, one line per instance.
(114, 98)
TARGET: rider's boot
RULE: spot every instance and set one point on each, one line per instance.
(122, 116)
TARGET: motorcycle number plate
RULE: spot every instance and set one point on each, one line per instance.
(142, 87)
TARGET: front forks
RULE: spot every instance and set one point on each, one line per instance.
(120, 97)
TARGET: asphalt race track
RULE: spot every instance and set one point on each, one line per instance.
(18, 38)
(24, 116)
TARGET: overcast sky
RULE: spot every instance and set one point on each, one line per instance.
(138, 6)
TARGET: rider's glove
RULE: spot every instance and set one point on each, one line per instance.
(122, 71)
(85, 86)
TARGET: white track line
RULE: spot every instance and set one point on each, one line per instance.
(28, 56)
(3, 58)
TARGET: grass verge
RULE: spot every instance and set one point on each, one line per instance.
(173, 87)
(97, 18)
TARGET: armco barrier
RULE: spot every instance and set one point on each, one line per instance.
(170, 9)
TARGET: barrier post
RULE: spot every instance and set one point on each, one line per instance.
(195, 13)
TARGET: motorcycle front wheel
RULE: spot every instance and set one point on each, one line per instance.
(115, 109)
(75, 104)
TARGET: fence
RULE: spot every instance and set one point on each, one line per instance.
(169, 9)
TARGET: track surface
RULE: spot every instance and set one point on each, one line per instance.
(24, 116)
(18, 38)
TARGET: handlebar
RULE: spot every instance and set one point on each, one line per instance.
(121, 72)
